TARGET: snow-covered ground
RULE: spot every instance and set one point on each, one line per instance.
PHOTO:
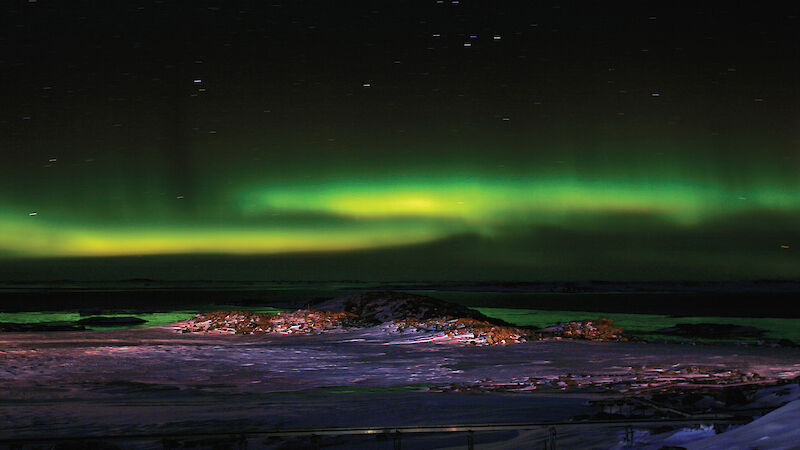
(154, 380)
(777, 429)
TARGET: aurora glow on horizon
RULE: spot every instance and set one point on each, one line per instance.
(348, 214)
(595, 155)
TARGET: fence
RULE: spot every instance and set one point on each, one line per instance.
(396, 434)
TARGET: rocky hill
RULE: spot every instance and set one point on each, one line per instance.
(426, 318)
(381, 307)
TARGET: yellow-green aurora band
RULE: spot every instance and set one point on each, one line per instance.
(349, 213)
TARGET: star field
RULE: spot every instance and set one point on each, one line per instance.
(663, 138)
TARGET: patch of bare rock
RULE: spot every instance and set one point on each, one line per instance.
(466, 330)
(395, 312)
(594, 330)
(304, 321)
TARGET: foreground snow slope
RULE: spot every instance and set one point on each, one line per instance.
(779, 429)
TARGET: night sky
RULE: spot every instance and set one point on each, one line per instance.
(458, 140)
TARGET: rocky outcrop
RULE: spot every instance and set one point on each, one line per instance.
(402, 312)
(246, 322)
(381, 307)
(467, 330)
(392, 312)
(591, 329)
(397, 313)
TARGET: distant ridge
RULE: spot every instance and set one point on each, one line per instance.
(752, 286)
(571, 287)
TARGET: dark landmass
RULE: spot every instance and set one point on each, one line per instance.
(9, 327)
(711, 330)
(600, 286)
(102, 321)
(741, 299)
(79, 325)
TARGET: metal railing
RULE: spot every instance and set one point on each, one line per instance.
(395, 433)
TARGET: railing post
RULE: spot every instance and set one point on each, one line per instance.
(314, 442)
(551, 438)
(470, 440)
(397, 440)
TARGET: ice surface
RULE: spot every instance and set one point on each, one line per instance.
(157, 380)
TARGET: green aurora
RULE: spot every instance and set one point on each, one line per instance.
(655, 220)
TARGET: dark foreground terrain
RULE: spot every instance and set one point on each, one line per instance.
(184, 385)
